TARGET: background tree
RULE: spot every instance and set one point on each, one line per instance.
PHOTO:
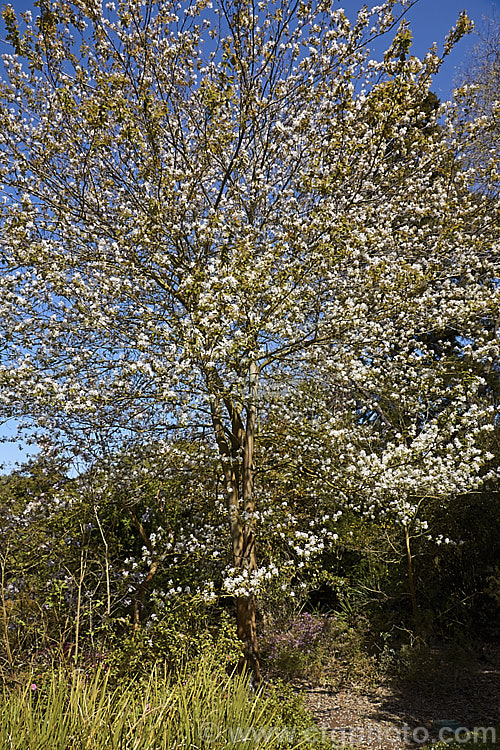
(481, 78)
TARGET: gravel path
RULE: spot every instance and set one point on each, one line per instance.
(397, 715)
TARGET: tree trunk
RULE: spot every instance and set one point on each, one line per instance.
(246, 607)
(247, 632)
(238, 474)
(413, 595)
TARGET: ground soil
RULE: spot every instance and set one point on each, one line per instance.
(399, 712)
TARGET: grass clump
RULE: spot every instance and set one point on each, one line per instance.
(201, 707)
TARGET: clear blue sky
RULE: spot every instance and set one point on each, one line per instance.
(430, 21)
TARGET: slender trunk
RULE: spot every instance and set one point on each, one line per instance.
(106, 563)
(83, 565)
(4, 615)
(414, 605)
(247, 633)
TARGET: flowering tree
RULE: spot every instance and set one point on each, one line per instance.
(206, 208)
(481, 80)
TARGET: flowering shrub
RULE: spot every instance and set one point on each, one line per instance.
(286, 645)
(302, 633)
(176, 640)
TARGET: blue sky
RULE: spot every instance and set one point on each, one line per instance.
(430, 21)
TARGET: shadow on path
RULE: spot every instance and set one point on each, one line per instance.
(445, 689)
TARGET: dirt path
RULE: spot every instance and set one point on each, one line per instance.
(398, 714)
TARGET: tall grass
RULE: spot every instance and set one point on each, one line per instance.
(201, 708)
